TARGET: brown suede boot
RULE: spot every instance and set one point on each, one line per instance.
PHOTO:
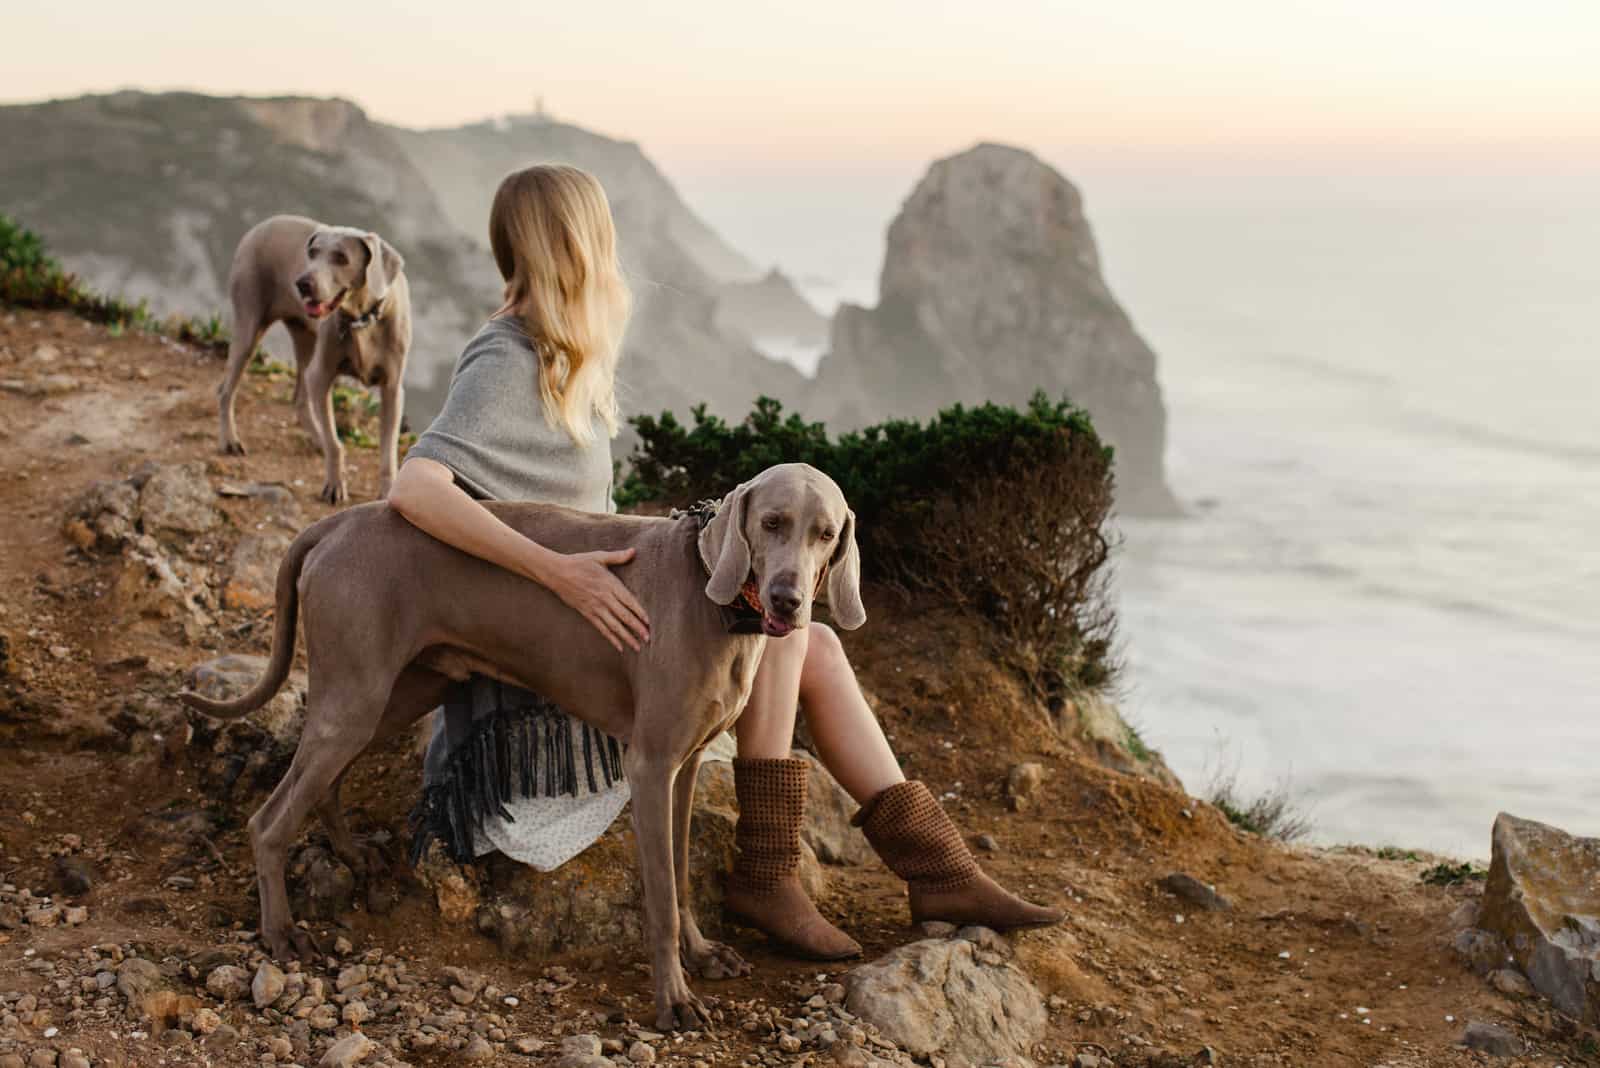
(764, 890)
(910, 831)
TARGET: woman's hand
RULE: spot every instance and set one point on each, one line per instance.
(584, 582)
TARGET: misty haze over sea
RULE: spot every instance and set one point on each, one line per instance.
(1381, 397)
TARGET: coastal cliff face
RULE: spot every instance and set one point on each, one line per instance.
(147, 194)
(991, 289)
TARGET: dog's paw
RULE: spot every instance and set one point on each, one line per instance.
(292, 943)
(334, 493)
(687, 1014)
(716, 961)
(232, 448)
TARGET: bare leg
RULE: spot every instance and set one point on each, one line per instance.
(246, 337)
(701, 956)
(394, 400)
(849, 739)
(765, 729)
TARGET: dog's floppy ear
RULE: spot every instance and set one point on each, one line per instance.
(844, 578)
(383, 264)
(724, 546)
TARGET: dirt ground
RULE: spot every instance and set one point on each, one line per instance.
(1327, 957)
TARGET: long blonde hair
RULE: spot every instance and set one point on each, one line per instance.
(556, 247)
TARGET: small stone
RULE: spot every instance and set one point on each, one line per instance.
(527, 1045)
(136, 977)
(352, 1049)
(72, 1058)
(461, 995)
(1492, 1039)
(12, 1060)
(204, 1021)
(1022, 784)
(172, 1036)
(323, 1018)
(280, 1047)
(642, 1053)
(356, 1013)
(478, 1049)
(1187, 888)
(789, 1043)
(341, 945)
(228, 982)
(43, 917)
(354, 975)
(1512, 982)
(938, 928)
(268, 984)
(75, 915)
(585, 1045)
(833, 993)
(42, 1058)
(72, 876)
(987, 843)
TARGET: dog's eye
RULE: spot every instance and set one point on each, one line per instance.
(770, 522)
(828, 535)
(339, 259)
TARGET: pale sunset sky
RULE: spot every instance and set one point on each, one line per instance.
(844, 102)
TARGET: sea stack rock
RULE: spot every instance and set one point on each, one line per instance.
(991, 290)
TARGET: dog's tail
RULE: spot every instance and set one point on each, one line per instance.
(283, 629)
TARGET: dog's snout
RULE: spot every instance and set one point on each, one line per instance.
(785, 599)
(302, 286)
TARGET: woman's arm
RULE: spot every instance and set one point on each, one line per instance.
(426, 494)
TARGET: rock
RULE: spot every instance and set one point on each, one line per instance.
(1188, 888)
(1542, 898)
(829, 809)
(642, 1053)
(160, 585)
(992, 253)
(354, 975)
(72, 1058)
(585, 1045)
(1491, 1039)
(1512, 982)
(1023, 782)
(176, 502)
(987, 843)
(253, 570)
(1479, 950)
(42, 1058)
(137, 977)
(352, 1049)
(12, 1060)
(939, 997)
(74, 915)
(326, 886)
(108, 515)
(204, 1021)
(72, 876)
(595, 899)
(267, 986)
(527, 1045)
(45, 916)
(461, 995)
(478, 1049)
(226, 677)
(228, 982)
(355, 1012)
(454, 888)
(323, 1017)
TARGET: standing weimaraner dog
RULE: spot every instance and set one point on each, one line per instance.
(342, 296)
(392, 615)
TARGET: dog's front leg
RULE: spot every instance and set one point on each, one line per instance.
(394, 401)
(319, 393)
(652, 779)
(703, 957)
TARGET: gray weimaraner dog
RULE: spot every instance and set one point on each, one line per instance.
(342, 296)
(392, 615)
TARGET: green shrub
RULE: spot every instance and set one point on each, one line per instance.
(29, 278)
(1446, 874)
(995, 509)
(1277, 813)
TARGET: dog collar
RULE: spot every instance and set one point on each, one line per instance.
(366, 318)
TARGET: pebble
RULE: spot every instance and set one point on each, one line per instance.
(323, 1018)
(354, 975)
(280, 1048)
(268, 984)
(581, 1045)
(478, 1050)
(987, 843)
(75, 915)
(642, 1053)
(461, 995)
(352, 1049)
(42, 1058)
(527, 1045)
(228, 982)
(73, 1058)
(204, 1021)
(789, 1043)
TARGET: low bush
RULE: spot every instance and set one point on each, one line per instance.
(30, 278)
(1277, 813)
(1000, 510)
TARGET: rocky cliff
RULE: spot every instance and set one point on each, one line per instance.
(147, 194)
(991, 289)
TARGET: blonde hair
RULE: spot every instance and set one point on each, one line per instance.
(556, 246)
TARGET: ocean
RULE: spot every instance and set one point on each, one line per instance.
(1382, 399)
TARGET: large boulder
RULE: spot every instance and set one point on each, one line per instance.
(1542, 899)
(960, 999)
(991, 289)
(177, 501)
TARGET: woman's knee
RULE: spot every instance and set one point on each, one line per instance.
(825, 656)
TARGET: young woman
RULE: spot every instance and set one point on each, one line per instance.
(529, 416)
